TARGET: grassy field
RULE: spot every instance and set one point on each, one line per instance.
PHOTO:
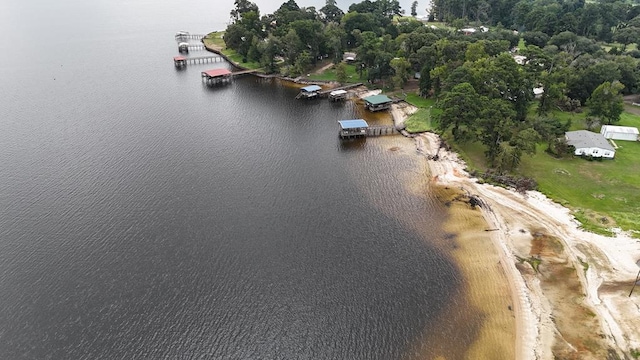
(330, 75)
(215, 41)
(608, 46)
(237, 58)
(601, 193)
(421, 120)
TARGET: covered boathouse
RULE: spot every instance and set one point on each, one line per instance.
(377, 102)
(309, 92)
(180, 61)
(338, 95)
(353, 128)
(216, 76)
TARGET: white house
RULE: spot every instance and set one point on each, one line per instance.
(590, 144)
(619, 132)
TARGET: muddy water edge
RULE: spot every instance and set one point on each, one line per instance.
(488, 327)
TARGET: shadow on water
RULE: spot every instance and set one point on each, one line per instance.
(346, 145)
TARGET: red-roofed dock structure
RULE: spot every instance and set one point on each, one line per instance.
(216, 76)
(179, 61)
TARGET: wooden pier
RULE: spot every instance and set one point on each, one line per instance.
(324, 93)
(382, 130)
(184, 35)
(180, 61)
(186, 47)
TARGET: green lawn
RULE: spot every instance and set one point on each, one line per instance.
(215, 38)
(608, 46)
(237, 58)
(330, 75)
(602, 193)
(420, 121)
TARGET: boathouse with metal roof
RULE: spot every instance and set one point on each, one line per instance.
(353, 128)
(377, 102)
(309, 92)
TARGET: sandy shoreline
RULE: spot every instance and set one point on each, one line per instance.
(602, 268)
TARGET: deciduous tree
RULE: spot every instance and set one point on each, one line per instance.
(401, 68)
(461, 107)
(606, 102)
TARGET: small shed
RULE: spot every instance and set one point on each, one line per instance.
(627, 133)
(337, 95)
(590, 144)
(353, 128)
(308, 92)
(377, 102)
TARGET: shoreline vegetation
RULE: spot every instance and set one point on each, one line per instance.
(569, 288)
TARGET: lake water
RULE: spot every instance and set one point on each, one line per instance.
(145, 215)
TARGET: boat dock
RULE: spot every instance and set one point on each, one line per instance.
(358, 128)
(217, 76)
(185, 35)
(180, 61)
(346, 87)
(184, 47)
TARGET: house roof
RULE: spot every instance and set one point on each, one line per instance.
(353, 124)
(179, 58)
(338, 92)
(587, 139)
(377, 99)
(311, 88)
(620, 129)
(216, 72)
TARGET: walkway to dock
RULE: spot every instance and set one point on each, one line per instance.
(242, 72)
(194, 47)
(189, 37)
(382, 130)
(346, 87)
(182, 61)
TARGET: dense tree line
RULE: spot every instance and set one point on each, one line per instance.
(484, 93)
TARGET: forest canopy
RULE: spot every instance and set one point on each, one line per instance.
(489, 55)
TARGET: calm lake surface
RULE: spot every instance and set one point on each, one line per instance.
(144, 215)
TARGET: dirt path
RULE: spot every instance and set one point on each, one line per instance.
(323, 68)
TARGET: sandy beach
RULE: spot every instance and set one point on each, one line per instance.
(575, 304)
